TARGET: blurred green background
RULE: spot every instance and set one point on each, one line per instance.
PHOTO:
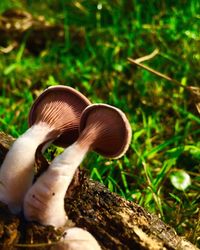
(86, 47)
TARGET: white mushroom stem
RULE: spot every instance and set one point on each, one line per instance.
(44, 201)
(16, 172)
(77, 239)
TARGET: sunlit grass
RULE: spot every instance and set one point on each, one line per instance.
(163, 117)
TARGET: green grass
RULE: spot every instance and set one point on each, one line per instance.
(164, 120)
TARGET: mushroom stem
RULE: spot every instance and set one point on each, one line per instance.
(44, 201)
(77, 239)
(20, 161)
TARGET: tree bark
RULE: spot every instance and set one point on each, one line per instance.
(115, 222)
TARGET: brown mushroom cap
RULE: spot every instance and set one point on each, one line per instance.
(60, 107)
(112, 129)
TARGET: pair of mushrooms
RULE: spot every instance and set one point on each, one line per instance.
(64, 116)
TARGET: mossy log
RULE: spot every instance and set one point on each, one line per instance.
(115, 222)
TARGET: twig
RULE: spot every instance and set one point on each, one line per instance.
(147, 57)
(195, 91)
(155, 72)
(8, 49)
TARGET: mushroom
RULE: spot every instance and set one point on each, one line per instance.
(104, 129)
(76, 238)
(56, 112)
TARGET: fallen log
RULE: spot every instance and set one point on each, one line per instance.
(18, 25)
(115, 222)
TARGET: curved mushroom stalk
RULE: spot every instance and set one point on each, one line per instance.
(16, 172)
(77, 239)
(44, 201)
(55, 113)
(104, 129)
